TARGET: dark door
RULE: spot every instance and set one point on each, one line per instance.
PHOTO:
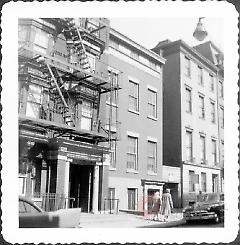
(131, 199)
(81, 178)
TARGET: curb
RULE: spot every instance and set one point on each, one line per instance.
(164, 224)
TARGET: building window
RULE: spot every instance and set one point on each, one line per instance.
(152, 157)
(211, 83)
(132, 153)
(189, 150)
(188, 100)
(91, 61)
(200, 75)
(214, 151)
(221, 89)
(125, 50)
(34, 101)
(134, 55)
(133, 96)
(152, 65)
(222, 153)
(86, 117)
(41, 41)
(213, 113)
(152, 103)
(114, 44)
(214, 182)
(193, 179)
(202, 149)
(203, 182)
(187, 67)
(221, 117)
(132, 198)
(113, 154)
(144, 60)
(201, 107)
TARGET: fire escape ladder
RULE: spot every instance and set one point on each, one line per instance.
(79, 47)
(67, 114)
(110, 113)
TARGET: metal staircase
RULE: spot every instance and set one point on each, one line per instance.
(75, 42)
(59, 98)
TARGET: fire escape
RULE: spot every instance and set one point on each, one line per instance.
(64, 81)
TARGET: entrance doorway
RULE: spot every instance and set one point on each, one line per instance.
(174, 193)
(151, 193)
(81, 186)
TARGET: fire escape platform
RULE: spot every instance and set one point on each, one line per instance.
(68, 68)
(60, 128)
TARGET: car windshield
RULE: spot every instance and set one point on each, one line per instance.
(25, 207)
(212, 197)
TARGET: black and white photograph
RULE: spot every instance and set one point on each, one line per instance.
(120, 120)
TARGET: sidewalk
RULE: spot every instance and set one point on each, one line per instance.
(124, 220)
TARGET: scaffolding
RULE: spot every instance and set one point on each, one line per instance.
(66, 80)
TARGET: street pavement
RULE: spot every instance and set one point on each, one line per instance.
(125, 220)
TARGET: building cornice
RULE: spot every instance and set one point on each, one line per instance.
(137, 46)
(181, 46)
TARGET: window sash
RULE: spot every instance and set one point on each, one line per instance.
(211, 83)
(200, 75)
(133, 96)
(152, 103)
(189, 100)
(187, 67)
(202, 148)
(222, 118)
(132, 151)
(221, 89)
(213, 115)
(214, 151)
(189, 146)
(152, 157)
(202, 107)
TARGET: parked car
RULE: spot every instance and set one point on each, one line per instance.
(210, 207)
(31, 216)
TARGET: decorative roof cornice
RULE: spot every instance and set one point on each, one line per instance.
(132, 43)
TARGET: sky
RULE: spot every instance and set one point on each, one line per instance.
(149, 31)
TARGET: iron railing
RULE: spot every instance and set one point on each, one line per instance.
(111, 205)
(53, 201)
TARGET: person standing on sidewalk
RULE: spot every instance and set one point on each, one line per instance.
(167, 204)
(156, 205)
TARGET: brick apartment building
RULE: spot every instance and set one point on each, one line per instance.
(135, 170)
(193, 117)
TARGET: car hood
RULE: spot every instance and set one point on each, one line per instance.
(201, 206)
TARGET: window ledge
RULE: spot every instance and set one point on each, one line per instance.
(152, 118)
(112, 169)
(113, 104)
(135, 112)
(132, 171)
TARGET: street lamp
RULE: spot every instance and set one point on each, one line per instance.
(200, 33)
